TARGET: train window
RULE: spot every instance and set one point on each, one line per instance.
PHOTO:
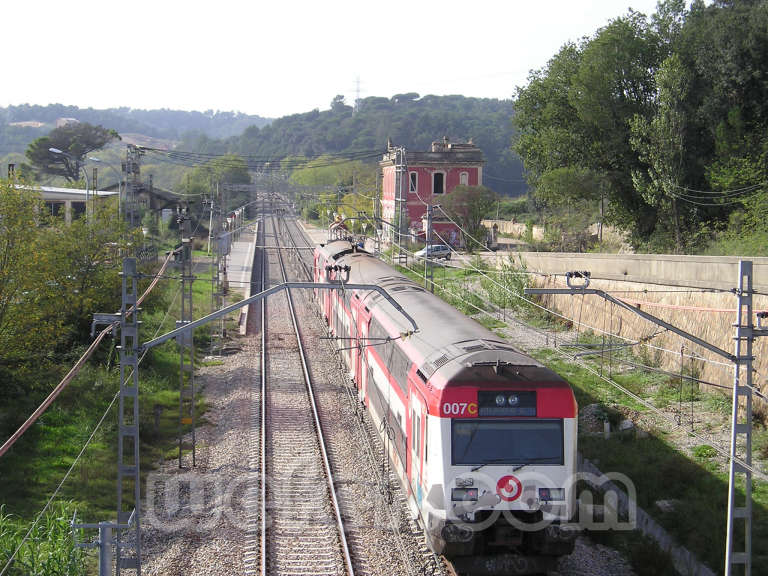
(398, 364)
(395, 360)
(476, 442)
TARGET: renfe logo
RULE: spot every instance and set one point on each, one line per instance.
(509, 488)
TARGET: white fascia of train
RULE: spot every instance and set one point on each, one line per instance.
(482, 436)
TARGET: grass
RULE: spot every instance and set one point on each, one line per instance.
(34, 467)
(48, 550)
(660, 471)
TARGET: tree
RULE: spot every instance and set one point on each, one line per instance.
(75, 140)
(229, 169)
(22, 284)
(468, 205)
(575, 114)
(660, 143)
(84, 266)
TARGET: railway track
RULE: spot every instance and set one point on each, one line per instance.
(301, 526)
(396, 532)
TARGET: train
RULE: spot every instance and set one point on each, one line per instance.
(482, 436)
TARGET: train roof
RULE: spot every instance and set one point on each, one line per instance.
(447, 342)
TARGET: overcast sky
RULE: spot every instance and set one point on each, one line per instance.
(280, 57)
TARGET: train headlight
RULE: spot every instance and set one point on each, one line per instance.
(464, 482)
(513, 400)
(500, 400)
(552, 494)
(464, 495)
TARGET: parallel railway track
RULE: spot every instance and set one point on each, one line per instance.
(301, 526)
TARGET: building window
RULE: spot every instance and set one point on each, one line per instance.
(438, 183)
(78, 209)
(464, 178)
(54, 209)
(413, 182)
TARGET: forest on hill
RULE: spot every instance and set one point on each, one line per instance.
(662, 120)
(20, 125)
(408, 119)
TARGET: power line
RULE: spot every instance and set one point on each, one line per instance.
(722, 451)
(731, 192)
(80, 454)
(572, 320)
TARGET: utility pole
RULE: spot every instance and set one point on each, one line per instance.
(186, 344)
(128, 470)
(132, 170)
(128, 477)
(95, 180)
(741, 422)
(377, 231)
(742, 427)
(428, 273)
(401, 203)
(356, 108)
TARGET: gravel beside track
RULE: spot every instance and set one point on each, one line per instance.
(206, 536)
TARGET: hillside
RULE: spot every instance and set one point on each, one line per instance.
(406, 119)
(19, 125)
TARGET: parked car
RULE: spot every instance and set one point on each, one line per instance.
(436, 252)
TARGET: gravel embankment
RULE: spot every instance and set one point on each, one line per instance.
(202, 531)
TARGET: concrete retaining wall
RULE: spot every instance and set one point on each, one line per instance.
(708, 315)
(516, 229)
(719, 272)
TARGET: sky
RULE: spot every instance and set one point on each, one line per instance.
(281, 57)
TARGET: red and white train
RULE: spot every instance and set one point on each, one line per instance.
(483, 437)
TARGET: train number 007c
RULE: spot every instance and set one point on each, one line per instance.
(460, 409)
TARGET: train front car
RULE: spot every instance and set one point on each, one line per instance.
(482, 436)
(507, 433)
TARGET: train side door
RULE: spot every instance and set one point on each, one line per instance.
(361, 368)
(417, 410)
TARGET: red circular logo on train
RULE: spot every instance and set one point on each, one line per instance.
(509, 488)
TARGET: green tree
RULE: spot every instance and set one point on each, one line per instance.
(75, 140)
(26, 326)
(468, 205)
(660, 143)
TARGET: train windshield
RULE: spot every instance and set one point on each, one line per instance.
(476, 442)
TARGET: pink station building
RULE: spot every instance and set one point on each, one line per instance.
(428, 176)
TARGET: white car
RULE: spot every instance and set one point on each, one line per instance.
(436, 252)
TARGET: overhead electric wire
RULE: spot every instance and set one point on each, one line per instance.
(724, 365)
(574, 321)
(722, 192)
(711, 204)
(77, 367)
(186, 158)
(85, 446)
(722, 451)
